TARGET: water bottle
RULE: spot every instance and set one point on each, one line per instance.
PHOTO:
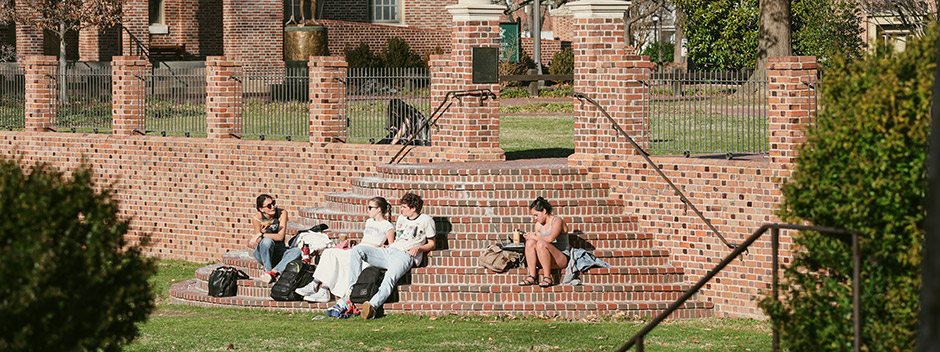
(306, 253)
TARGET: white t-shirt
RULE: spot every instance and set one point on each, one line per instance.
(410, 233)
(375, 231)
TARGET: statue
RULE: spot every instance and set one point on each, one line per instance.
(303, 18)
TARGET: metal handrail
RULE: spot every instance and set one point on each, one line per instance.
(442, 108)
(637, 339)
(581, 97)
(140, 45)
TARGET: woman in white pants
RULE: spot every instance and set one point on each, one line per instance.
(331, 278)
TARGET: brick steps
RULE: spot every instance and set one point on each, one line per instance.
(475, 205)
(189, 293)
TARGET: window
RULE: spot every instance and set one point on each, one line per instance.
(386, 11)
(156, 12)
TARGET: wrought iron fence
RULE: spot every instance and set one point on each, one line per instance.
(276, 105)
(384, 105)
(12, 97)
(83, 98)
(176, 101)
(707, 112)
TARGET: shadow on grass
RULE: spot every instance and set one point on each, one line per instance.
(539, 153)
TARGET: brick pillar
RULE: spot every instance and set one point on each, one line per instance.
(790, 108)
(253, 33)
(326, 91)
(136, 21)
(40, 103)
(223, 97)
(127, 94)
(611, 73)
(28, 38)
(470, 130)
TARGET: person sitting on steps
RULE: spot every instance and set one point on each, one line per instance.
(414, 235)
(267, 239)
(547, 247)
(332, 273)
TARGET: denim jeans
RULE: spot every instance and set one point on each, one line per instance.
(270, 251)
(396, 263)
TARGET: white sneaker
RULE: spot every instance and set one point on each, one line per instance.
(308, 290)
(321, 296)
(265, 277)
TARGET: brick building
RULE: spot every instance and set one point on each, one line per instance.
(174, 30)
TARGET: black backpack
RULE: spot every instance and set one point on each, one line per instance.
(223, 282)
(368, 284)
(296, 274)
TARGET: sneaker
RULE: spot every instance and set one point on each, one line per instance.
(321, 296)
(268, 277)
(368, 312)
(307, 290)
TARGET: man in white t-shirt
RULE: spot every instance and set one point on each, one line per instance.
(414, 235)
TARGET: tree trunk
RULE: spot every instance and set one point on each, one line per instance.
(63, 96)
(678, 23)
(773, 38)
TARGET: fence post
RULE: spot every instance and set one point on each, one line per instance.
(40, 103)
(610, 72)
(223, 98)
(326, 93)
(788, 108)
(128, 75)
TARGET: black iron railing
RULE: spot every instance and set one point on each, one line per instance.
(637, 340)
(581, 97)
(441, 109)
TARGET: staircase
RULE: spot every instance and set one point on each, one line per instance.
(475, 204)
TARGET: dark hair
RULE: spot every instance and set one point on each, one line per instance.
(413, 201)
(383, 206)
(540, 204)
(259, 202)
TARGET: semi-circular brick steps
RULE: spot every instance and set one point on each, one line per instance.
(477, 204)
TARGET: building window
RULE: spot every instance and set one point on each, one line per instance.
(156, 12)
(386, 11)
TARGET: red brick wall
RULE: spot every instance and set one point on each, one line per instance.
(345, 10)
(253, 32)
(194, 196)
(428, 14)
(195, 24)
(99, 44)
(736, 196)
(344, 35)
(136, 20)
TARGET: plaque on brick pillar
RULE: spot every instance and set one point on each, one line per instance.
(485, 65)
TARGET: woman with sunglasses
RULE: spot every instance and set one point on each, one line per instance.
(331, 278)
(270, 226)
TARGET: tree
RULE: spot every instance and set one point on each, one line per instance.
(862, 168)
(723, 34)
(60, 17)
(773, 35)
(68, 278)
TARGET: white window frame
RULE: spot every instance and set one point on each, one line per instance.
(157, 18)
(378, 11)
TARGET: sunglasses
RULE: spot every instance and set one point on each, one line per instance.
(269, 206)
(371, 207)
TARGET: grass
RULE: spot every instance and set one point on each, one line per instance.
(538, 108)
(182, 328)
(528, 137)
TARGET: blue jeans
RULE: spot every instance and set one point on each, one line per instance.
(396, 263)
(270, 251)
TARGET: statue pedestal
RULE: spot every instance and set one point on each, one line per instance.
(302, 42)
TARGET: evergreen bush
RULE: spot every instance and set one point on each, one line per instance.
(862, 168)
(516, 68)
(68, 279)
(562, 63)
(652, 51)
(397, 53)
(362, 57)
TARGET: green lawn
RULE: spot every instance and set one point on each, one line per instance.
(182, 328)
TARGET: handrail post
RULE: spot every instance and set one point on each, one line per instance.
(775, 246)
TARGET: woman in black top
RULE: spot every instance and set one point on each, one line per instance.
(270, 226)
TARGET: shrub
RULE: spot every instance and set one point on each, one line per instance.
(562, 63)
(397, 53)
(862, 168)
(516, 68)
(362, 57)
(68, 279)
(652, 51)
(436, 51)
